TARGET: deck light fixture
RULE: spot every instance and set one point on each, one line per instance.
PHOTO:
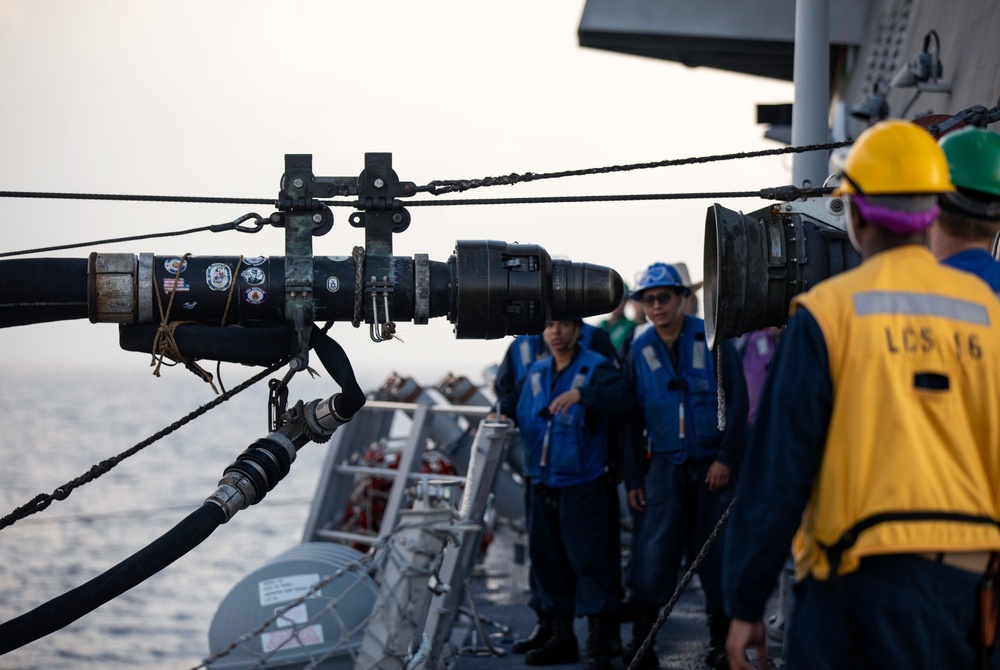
(922, 72)
(875, 107)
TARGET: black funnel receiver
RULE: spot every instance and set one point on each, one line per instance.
(584, 289)
(512, 289)
(756, 263)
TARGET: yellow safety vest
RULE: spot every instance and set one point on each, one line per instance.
(912, 456)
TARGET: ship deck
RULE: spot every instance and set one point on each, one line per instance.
(499, 587)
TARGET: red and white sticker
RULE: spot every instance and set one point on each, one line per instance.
(175, 265)
(290, 638)
(255, 295)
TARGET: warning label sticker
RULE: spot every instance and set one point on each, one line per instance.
(291, 637)
(283, 589)
(292, 616)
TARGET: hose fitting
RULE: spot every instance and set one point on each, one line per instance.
(254, 472)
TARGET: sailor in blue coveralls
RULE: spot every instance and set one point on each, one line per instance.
(522, 353)
(682, 479)
(563, 415)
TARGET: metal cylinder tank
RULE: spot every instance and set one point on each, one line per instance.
(328, 624)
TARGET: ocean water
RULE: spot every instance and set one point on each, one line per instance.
(54, 424)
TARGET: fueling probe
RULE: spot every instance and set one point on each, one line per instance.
(260, 310)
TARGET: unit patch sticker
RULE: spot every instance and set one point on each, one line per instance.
(175, 265)
(253, 260)
(255, 295)
(332, 284)
(253, 276)
(171, 285)
(218, 276)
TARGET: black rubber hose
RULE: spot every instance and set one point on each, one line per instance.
(335, 360)
(39, 290)
(70, 606)
(254, 343)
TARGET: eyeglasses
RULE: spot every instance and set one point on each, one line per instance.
(664, 298)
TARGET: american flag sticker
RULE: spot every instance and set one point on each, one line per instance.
(171, 285)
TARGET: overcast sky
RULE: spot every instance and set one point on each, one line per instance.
(190, 97)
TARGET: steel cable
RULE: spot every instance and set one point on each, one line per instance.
(441, 187)
(695, 564)
(43, 500)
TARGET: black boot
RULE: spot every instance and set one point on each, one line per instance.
(718, 630)
(642, 626)
(561, 647)
(539, 636)
(599, 649)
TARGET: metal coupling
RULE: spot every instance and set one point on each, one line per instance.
(111, 288)
(434, 491)
(254, 472)
(236, 492)
(325, 415)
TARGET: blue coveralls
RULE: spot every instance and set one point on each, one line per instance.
(573, 504)
(978, 262)
(676, 393)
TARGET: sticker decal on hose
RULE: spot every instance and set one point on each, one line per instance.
(175, 265)
(218, 276)
(253, 276)
(255, 295)
(171, 285)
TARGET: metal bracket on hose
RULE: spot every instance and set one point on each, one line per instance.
(385, 329)
(381, 215)
(302, 217)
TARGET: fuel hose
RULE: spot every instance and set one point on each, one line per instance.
(70, 606)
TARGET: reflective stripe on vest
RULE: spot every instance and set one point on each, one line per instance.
(920, 304)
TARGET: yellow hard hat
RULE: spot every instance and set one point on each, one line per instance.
(895, 157)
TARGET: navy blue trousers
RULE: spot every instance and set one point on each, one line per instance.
(575, 548)
(679, 516)
(897, 611)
